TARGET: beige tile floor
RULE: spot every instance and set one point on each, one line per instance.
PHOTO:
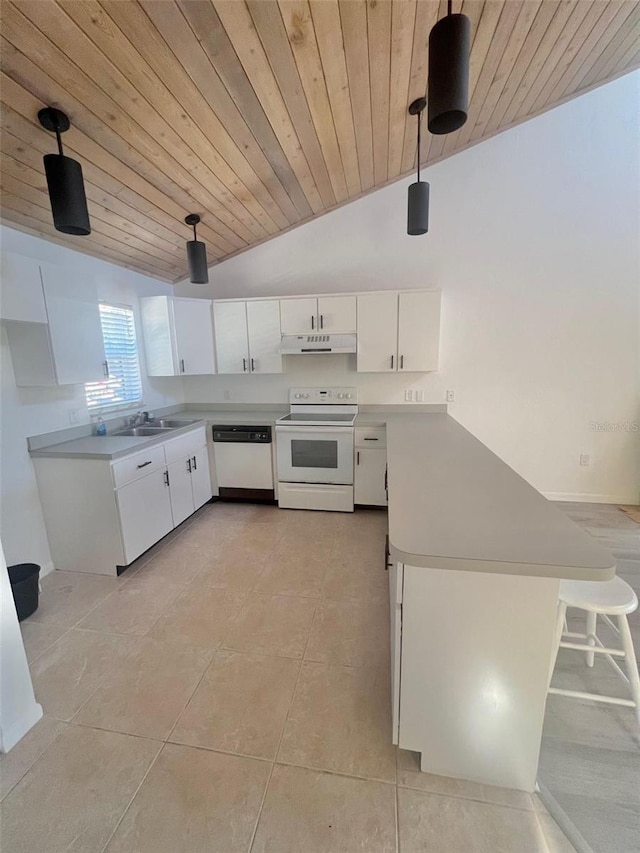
(230, 692)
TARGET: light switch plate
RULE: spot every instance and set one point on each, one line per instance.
(408, 395)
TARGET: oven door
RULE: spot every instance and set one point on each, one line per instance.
(314, 454)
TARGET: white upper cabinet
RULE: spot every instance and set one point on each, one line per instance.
(398, 332)
(299, 316)
(248, 336)
(418, 331)
(331, 314)
(263, 327)
(377, 332)
(194, 336)
(68, 349)
(232, 344)
(337, 314)
(178, 336)
(21, 294)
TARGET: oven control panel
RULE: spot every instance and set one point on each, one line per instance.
(329, 396)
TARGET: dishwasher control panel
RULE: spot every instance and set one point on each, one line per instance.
(245, 434)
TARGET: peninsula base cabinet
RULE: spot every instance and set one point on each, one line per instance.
(101, 515)
(471, 702)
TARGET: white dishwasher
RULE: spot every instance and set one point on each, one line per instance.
(243, 462)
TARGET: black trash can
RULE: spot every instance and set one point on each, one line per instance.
(24, 585)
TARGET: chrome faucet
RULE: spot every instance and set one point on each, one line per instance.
(136, 420)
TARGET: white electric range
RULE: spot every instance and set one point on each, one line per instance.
(314, 449)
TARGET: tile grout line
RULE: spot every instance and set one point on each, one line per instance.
(135, 794)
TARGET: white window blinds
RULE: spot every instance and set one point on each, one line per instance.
(124, 385)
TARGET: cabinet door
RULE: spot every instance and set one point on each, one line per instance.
(232, 350)
(377, 332)
(194, 336)
(299, 316)
(337, 313)
(418, 331)
(144, 507)
(180, 490)
(369, 476)
(263, 326)
(21, 296)
(75, 330)
(200, 478)
(159, 336)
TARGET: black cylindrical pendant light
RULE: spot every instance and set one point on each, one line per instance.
(64, 180)
(196, 254)
(418, 203)
(448, 86)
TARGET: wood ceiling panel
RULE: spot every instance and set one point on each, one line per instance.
(262, 114)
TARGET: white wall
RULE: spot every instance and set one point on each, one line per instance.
(534, 243)
(30, 411)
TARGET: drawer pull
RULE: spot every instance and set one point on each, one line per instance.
(144, 464)
(370, 439)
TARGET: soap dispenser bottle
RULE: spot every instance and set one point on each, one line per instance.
(101, 427)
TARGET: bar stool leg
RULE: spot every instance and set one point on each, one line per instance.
(591, 629)
(557, 637)
(630, 662)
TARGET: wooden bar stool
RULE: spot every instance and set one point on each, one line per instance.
(614, 598)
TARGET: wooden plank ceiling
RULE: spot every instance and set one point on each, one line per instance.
(260, 115)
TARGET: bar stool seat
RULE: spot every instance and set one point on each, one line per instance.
(614, 598)
(611, 597)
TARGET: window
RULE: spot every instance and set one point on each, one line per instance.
(124, 385)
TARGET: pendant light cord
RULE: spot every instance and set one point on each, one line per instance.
(195, 236)
(419, 114)
(449, 5)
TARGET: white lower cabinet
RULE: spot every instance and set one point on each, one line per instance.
(370, 468)
(189, 484)
(145, 514)
(369, 477)
(101, 515)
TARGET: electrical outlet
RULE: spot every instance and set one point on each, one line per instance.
(74, 416)
(419, 396)
(408, 395)
(451, 395)
(585, 459)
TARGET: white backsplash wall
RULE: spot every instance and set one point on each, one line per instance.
(534, 243)
(30, 411)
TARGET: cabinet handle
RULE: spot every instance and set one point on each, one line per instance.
(386, 479)
(401, 362)
(391, 362)
(253, 365)
(357, 457)
(105, 367)
(166, 478)
(371, 439)
(322, 321)
(195, 466)
(182, 365)
(313, 320)
(189, 465)
(144, 464)
(244, 365)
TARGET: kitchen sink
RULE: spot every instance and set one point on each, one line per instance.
(142, 431)
(168, 423)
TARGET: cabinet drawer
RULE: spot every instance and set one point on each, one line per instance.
(139, 465)
(185, 445)
(375, 436)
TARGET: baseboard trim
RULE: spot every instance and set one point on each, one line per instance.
(583, 497)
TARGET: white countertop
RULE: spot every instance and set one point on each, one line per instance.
(453, 504)
(108, 447)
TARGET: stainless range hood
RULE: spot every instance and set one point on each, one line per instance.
(315, 344)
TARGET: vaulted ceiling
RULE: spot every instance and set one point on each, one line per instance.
(260, 115)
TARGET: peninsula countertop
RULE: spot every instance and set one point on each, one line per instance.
(454, 504)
